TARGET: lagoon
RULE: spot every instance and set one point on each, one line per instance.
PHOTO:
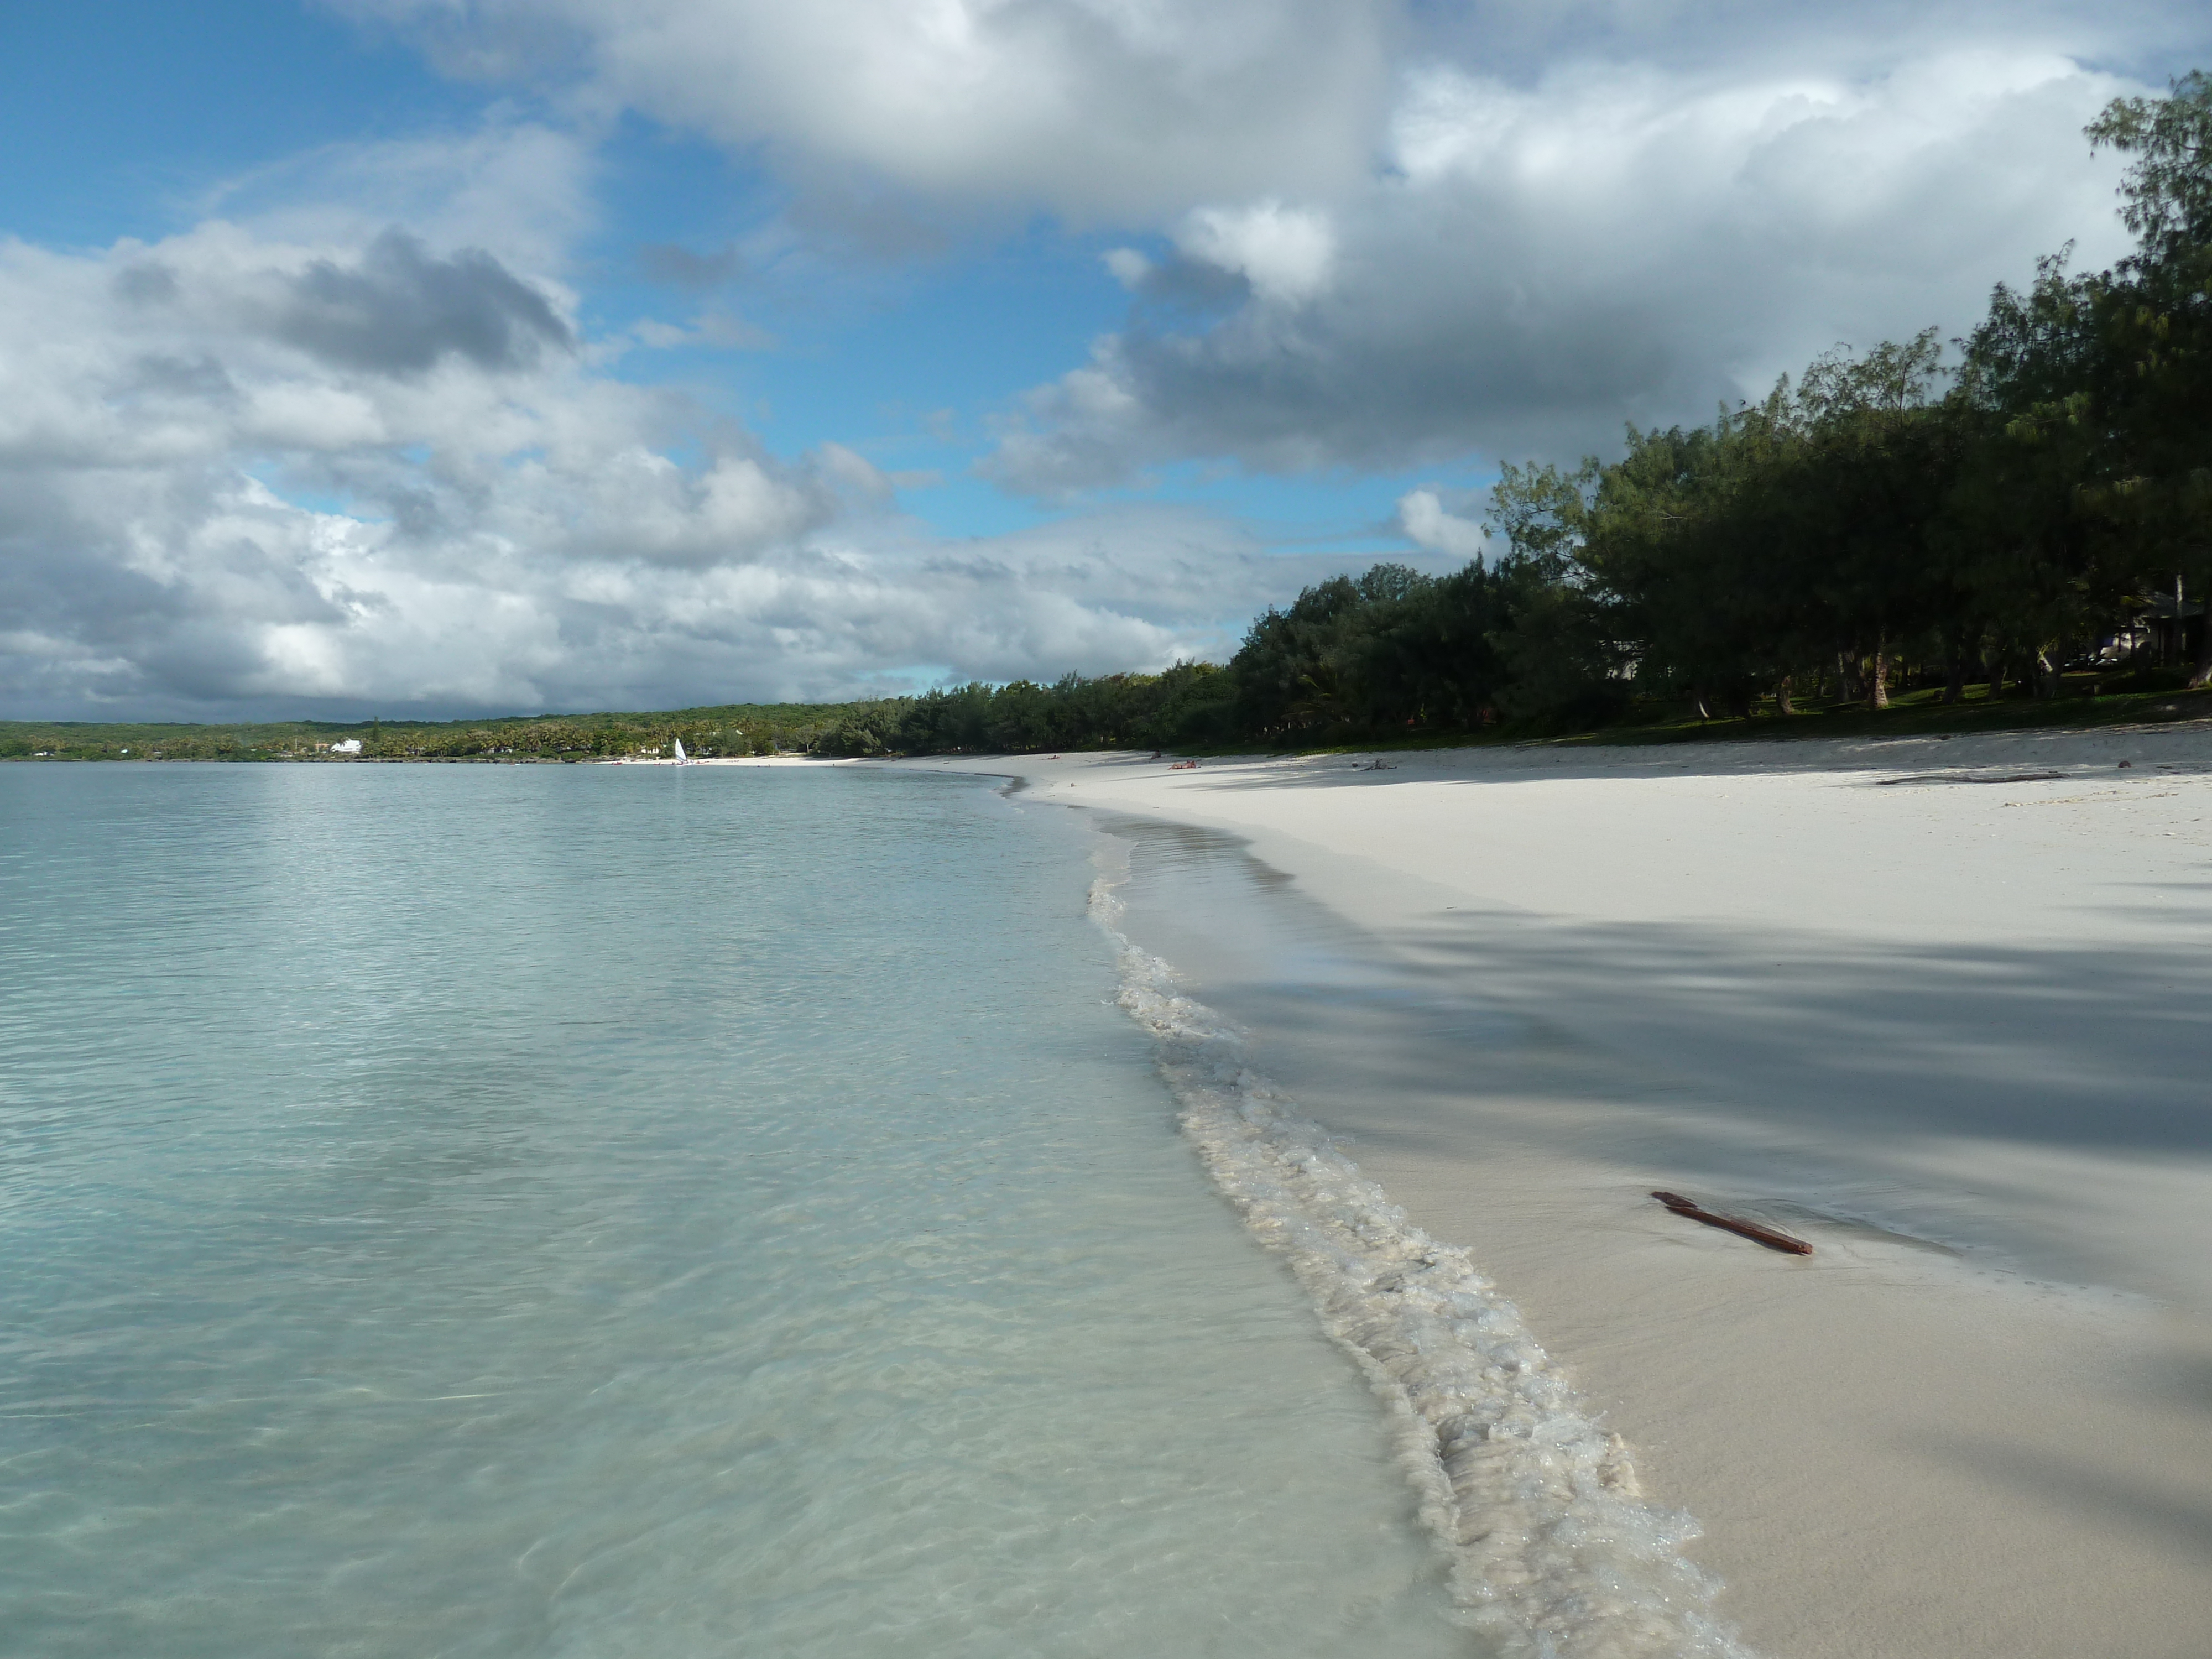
(661, 1211)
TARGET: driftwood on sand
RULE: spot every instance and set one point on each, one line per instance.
(1773, 1238)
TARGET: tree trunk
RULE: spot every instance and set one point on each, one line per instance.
(2201, 675)
(1781, 704)
(1954, 673)
(1878, 682)
(2046, 675)
(1847, 677)
(1698, 698)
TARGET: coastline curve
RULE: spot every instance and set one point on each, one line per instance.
(1551, 1549)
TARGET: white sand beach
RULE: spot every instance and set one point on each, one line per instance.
(1937, 1005)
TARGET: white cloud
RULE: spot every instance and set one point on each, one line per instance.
(1393, 233)
(1536, 265)
(1127, 266)
(249, 475)
(1097, 110)
(1286, 254)
(855, 471)
(523, 191)
(289, 454)
(1429, 523)
(719, 330)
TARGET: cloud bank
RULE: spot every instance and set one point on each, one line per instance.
(241, 474)
(346, 441)
(1530, 269)
(1098, 111)
(1388, 234)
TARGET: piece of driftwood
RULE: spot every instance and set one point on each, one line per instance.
(1770, 1237)
(1968, 777)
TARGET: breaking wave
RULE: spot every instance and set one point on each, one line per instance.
(1552, 1552)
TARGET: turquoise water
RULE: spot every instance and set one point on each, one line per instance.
(601, 1211)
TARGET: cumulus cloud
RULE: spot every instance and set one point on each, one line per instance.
(398, 309)
(243, 475)
(1285, 254)
(347, 440)
(1128, 267)
(1099, 110)
(1384, 233)
(1535, 266)
(1428, 523)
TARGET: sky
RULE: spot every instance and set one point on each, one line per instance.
(441, 358)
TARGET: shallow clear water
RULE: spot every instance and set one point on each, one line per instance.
(499, 1210)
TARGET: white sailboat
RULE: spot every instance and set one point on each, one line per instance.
(681, 758)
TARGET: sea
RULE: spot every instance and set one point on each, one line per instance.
(590, 1210)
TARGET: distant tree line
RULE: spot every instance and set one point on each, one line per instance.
(730, 730)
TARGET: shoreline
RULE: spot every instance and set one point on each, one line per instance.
(1548, 1544)
(429, 760)
(1933, 1012)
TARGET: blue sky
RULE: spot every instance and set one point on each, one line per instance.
(459, 355)
(130, 112)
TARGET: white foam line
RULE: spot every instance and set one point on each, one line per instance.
(1552, 1553)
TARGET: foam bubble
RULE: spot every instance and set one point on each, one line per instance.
(1553, 1554)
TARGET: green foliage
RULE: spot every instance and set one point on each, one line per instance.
(1386, 651)
(728, 730)
(1189, 704)
(2168, 190)
(1879, 521)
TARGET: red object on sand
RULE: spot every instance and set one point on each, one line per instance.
(1751, 1229)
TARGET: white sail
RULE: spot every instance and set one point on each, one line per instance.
(680, 755)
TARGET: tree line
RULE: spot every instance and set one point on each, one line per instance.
(2029, 508)
(1885, 519)
(735, 729)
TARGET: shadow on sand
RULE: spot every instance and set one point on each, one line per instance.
(1933, 1088)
